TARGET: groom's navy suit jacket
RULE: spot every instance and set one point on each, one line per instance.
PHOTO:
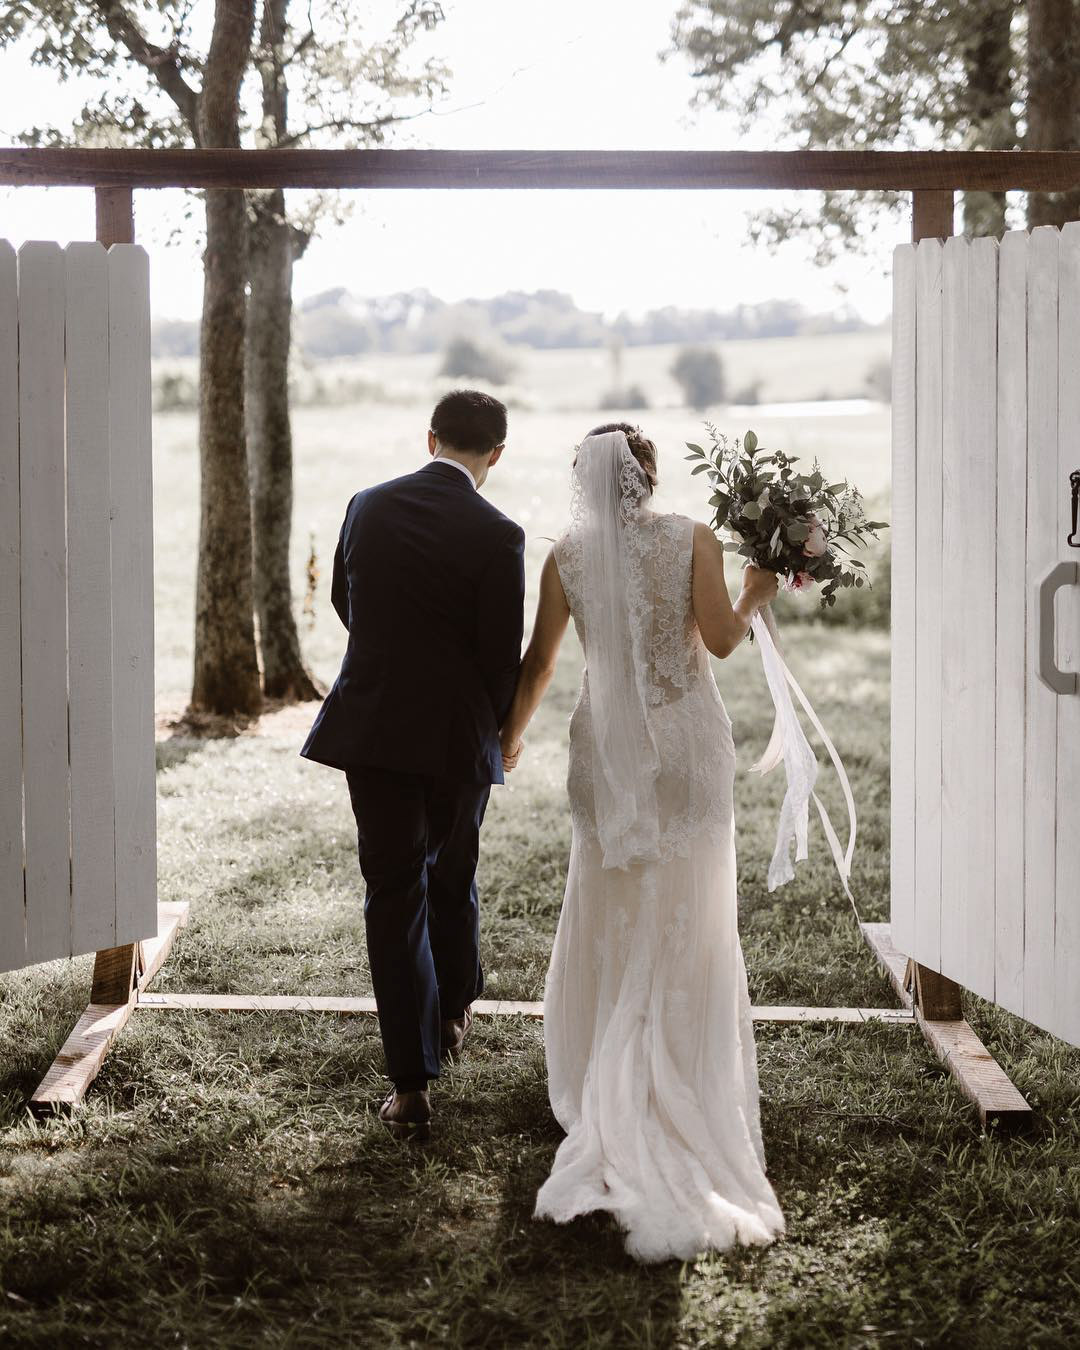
(429, 580)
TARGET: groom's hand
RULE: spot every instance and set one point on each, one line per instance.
(511, 755)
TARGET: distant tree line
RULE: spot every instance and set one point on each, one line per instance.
(335, 323)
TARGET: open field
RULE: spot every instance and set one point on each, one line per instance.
(340, 449)
(788, 369)
(228, 1185)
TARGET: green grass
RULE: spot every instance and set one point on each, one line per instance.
(227, 1183)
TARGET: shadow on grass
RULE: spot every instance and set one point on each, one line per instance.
(176, 750)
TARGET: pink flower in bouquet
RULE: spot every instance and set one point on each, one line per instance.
(799, 581)
(816, 543)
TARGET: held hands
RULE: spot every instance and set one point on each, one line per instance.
(759, 585)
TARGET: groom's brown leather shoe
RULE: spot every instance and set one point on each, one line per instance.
(454, 1031)
(407, 1115)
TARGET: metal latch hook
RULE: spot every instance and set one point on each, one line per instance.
(1074, 480)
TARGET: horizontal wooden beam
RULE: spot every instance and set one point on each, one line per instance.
(865, 170)
(978, 1074)
(482, 1008)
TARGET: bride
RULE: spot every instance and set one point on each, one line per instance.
(652, 1066)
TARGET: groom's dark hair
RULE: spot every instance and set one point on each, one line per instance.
(469, 420)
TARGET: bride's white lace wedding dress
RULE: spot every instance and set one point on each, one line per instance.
(647, 1027)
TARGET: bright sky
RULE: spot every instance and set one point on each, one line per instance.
(565, 74)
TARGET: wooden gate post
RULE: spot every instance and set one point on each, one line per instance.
(115, 969)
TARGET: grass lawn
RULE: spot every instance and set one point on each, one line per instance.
(228, 1184)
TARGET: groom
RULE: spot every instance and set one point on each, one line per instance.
(429, 580)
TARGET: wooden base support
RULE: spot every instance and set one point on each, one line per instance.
(953, 1040)
(120, 973)
(481, 1008)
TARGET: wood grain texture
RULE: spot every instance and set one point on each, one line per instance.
(114, 996)
(891, 959)
(115, 974)
(955, 1043)
(93, 864)
(1040, 751)
(903, 602)
(81, 1057)
(926, 947)
(932, 214)
(279, 1003)
(1067, 880)
(132, 592)
(12, 897)
(1011, 599)
(114, 215)
(933, 170)
(936, 995)
(44, 600)
(969, 530)
(979, 1076)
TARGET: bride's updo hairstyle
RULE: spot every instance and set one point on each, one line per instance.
(643, 450)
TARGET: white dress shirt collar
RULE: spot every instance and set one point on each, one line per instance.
(445, 459)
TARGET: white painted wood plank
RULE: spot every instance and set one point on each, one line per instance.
(93, 866)
(44, 600)
(12, 899)
(926, 946)
(1012, 598)
(1040, 752)
(957, 618)
(1067, 887)
(903, 608)
(132, 592)
(969, 525)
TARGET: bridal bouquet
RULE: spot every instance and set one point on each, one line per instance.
(803, 528)
(786, 521)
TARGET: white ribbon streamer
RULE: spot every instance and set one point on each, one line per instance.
(788, 743)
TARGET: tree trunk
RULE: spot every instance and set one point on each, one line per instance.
(269, 439)
(988, 64)
(226, 664)
(273, 246)
(1053, 90)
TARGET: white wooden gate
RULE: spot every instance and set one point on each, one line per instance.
(985, 753)
(78, 868)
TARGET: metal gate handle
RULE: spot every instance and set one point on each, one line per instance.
(1060, 681)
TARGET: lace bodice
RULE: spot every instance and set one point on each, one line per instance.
(686, 719)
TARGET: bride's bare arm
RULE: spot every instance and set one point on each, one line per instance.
(722, 624)
(538, 664)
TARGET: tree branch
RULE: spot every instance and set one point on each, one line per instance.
(349, 124)
(161, 62)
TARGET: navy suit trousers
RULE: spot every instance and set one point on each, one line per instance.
(418, 843)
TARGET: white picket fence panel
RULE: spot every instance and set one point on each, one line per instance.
(986, 757)
(77, 800)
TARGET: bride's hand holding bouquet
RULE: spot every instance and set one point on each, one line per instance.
(782, 520)
(796, 526)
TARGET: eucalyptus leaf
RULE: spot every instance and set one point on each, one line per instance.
(798, 531)
(751, 510)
